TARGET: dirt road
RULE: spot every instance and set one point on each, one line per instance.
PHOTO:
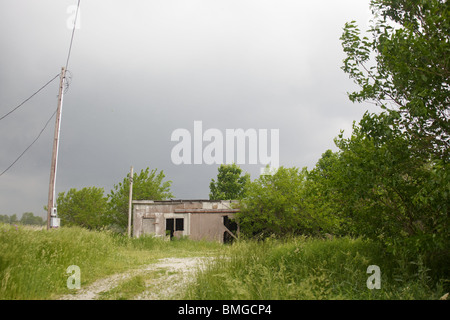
(172, 275)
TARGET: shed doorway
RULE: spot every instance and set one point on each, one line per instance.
(231, 228)
(174, 226)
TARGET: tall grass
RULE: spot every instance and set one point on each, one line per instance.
(33, 263)
(310, 269)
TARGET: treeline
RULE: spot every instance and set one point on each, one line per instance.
(28, 218)
(92, 209)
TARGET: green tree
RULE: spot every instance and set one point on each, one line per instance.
(393, 171)
(404, 68)
(13, 219)
(322, 198)
(277, 205)
(28, 218)
(4, 218)
(380, 188)
(230, 184)
(87, 208)
(147, 185)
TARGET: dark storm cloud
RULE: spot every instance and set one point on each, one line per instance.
(142, 69)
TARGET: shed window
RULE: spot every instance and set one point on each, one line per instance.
(179, 224)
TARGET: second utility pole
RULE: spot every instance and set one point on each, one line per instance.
(51, 205)
(130, 202)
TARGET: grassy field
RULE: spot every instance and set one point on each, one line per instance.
(311, 269)
(33, 265)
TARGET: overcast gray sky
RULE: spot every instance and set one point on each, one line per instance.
(142, 69)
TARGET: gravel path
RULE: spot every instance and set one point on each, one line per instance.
(175, 274)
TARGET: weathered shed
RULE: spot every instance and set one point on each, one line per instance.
(196, 219)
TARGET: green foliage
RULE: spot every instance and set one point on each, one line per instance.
(230, 184)
(404, 67)
(8, 219)
(89, 208)
(382, 189)
(147, 185)
(28, 218)
(392, 174)
(277, 205)
(85, 208)
(321, 201)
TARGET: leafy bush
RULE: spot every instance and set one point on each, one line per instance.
(85, 208)
(279, 205)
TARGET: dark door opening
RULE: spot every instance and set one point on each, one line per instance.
(173, 225)
(231, 225)
(170, 227)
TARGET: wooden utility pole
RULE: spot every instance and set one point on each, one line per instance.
(130, 203)
(51, 205)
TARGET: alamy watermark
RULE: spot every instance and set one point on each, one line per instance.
(74, 280)
(239, 146)
(374, 281)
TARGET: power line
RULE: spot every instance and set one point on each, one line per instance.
(29, 97)
(73, 32)
(63, 81)
(29, 145)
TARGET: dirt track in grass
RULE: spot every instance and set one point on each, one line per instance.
(168, 278)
